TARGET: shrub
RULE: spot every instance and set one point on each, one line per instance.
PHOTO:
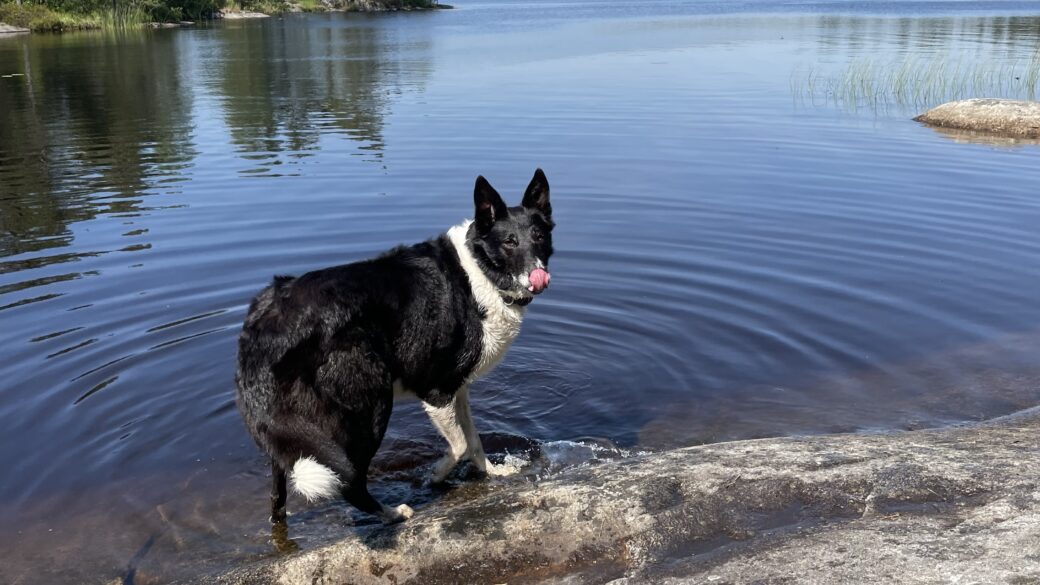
(265, 6)
(195, 9)
(41, 18)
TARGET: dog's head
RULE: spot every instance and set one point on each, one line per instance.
(512, 245)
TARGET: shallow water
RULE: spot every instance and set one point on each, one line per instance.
(742, 251)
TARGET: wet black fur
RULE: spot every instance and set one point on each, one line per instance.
(318, 353)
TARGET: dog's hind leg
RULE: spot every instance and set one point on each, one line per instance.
(355, 483)
(356, 493)
(278, 493)
(327, 466)
(320, 467)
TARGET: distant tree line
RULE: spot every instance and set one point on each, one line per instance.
(71, 14)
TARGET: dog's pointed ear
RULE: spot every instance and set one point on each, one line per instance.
(537, 195)
(489, 205)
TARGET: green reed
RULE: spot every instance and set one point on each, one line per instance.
(917, 83)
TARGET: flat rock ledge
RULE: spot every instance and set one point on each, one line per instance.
(179, 24)
(996, 116)
(6, 29)
(959, 505)
(241, 14)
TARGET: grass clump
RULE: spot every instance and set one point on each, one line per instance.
(915, 83)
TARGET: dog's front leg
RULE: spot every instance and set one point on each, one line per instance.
(454, 421)
(474, 448)
(446, 420)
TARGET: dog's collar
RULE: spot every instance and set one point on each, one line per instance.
(514, 301)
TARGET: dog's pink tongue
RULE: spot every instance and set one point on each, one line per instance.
(539, 280)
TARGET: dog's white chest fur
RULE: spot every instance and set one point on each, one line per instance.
(501, 323)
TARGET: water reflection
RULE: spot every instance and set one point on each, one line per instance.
(925, 34)
(94, 123)
(107, 144)
(284, 87)
(972, 137)
(87, 128)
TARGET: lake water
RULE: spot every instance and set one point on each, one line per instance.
(754, 239)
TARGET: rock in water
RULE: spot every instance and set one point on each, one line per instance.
(997, 116)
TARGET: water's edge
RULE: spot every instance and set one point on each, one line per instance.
(917, 505)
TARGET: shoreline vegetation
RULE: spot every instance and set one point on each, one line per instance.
(71, 15)
(916, 83)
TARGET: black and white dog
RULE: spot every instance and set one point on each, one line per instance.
(322, 356)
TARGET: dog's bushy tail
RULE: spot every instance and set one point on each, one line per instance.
(314, 481)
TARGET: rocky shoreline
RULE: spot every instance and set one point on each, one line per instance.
(6, 29)
(912, 507)
(240, 15)
(375, 6)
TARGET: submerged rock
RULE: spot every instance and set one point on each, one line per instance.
(908, 507)
(998, 116)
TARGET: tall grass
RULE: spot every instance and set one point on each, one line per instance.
(73, 16)
(124, 15)
(917, 83)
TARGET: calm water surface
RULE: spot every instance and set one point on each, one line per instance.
(741, 252)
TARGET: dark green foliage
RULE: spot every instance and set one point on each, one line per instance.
(75, 6)
(265, 6)
(194, 9)
(158, 11)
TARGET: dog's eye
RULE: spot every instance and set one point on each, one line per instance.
(537, 237)
(510, 242)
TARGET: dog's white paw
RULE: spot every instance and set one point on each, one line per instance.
(442, 469)
(395, 515)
